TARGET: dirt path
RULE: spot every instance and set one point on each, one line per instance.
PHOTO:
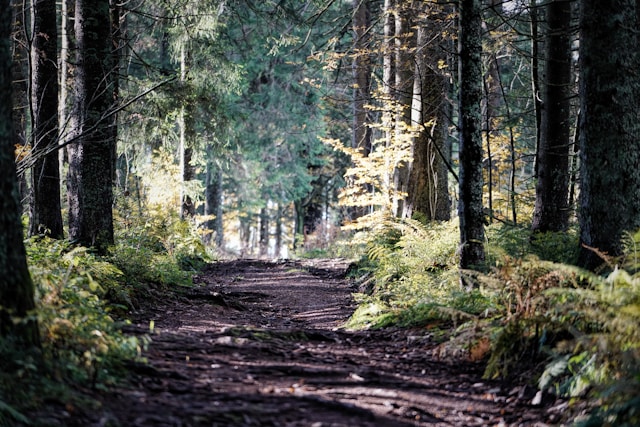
(260, 344)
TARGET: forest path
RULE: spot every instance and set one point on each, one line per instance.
(260, 344)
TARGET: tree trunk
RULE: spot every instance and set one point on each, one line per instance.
(279, 232)
(361, 76)
(470, 208)
(387, 89)
(213, 202)
(361, 72)
(66, 11)
(46, 215)
(535, 72)
(609, 128)
(551, 211)
(428, 192)
(264, 231)
(185, 148)
(20, 97)
(90, 184)
(404, 44)
(16, 287)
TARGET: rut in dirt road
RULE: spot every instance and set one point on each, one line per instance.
(260, 344)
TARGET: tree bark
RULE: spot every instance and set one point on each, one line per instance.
(470, 207)
(361, 67)
(46, 215)
(609, 127)
(551, 212)
(428, 189)
(404, 47)
(264, 231)
(17, 319)
(20, 97)
(213, 202)
(90, 184)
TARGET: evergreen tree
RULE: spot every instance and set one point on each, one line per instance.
(470, 207)
(91, 160)
(609, 127)
(428, 187)
(46, 215)
(552, 190)
(16, 288)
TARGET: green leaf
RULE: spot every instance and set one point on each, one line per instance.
(553, 370)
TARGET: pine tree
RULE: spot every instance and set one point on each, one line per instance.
(609, 128)
(16, 288)
(470, 207)
(91, 161)
(552, 190)
(46, 215)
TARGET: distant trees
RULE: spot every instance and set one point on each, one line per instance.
(16, 288)
(237, 94)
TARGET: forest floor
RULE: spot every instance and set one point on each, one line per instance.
(261, 344)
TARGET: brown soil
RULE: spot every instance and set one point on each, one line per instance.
(260, 344)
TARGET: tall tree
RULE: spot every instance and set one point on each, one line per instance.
(470, 208)
(404, 49)
(213, 201)
(20, 74)
(609, 127)
(552, 189)
(428, 189)
(16, 287)
(361, 75)
(91, 162)
(46, 215)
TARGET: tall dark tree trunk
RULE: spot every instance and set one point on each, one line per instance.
(470, 208)
(551, 211)
(609, 128)
(116, 55)
(534, 12)
(299, 235)
(20, 80)
(90, 183)
(17, 319)
(46, 214)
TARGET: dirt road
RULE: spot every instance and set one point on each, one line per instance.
(260, 344)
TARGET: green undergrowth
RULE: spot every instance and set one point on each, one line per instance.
(574, 333)
(82, 302)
